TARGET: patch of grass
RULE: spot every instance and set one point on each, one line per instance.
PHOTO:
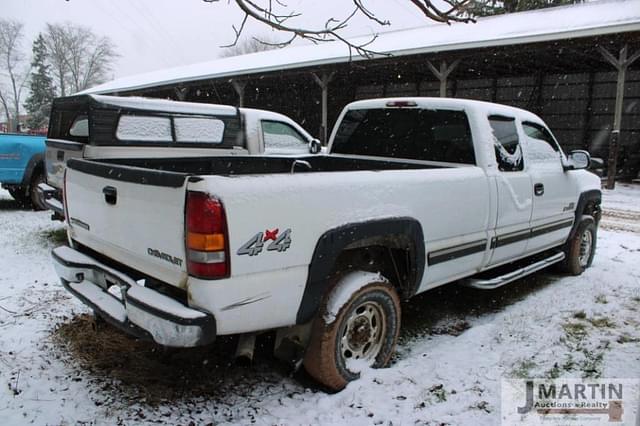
(602, 299)
(55, 236)
(439, 392)
(602, 322)
(575, 330)
(579, 315)
(523, 369)
(592, 363)
(625, 338)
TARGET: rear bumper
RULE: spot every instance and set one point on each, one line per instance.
(140, 311)
(52, 199)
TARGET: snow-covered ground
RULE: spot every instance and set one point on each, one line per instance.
(456, 345)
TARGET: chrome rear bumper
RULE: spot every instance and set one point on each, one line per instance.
(123, 302)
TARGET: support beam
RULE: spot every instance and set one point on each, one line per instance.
(621, 63)
(323, 81)
(239, 86)
(181, 93)
(442, 74)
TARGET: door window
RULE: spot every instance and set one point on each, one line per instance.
(541, 144)
(281, 136)
(506, 143)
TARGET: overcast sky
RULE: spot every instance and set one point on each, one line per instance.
(156, 34)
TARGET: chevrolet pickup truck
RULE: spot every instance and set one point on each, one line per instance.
(98, 126)
(22, 167)
(413, 194)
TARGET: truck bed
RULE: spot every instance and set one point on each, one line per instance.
(251, 165)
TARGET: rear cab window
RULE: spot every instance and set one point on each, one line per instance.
(438, 135)
(506, 143)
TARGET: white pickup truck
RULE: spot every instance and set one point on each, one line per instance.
(414, 193)
(99, 126)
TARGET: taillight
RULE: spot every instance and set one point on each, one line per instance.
(206, 237)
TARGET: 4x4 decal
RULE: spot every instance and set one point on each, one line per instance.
(279, 243)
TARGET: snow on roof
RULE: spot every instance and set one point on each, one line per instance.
(581, 20)
(134, 102)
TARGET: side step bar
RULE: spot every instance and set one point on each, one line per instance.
(491, 283)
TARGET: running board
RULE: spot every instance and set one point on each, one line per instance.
(491, 283)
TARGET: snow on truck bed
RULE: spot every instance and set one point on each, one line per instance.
(456, 345)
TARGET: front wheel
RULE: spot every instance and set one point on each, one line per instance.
(581, 248)
(354, 331)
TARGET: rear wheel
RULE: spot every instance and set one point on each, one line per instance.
(35, 197)
(363, 333)
(582, 247)
(19, 194)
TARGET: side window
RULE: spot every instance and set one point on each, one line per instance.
(541, 144)
(194, 129)
(80, 127)
(506, 143)
(281, 135)
(144, 128)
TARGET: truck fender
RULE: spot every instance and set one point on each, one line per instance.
(36, 161)
(592, 196)
(333, 242)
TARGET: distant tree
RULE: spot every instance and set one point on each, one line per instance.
(79, 58)
(497, 7)
(13, 69)
(38, 104)
(250, 45)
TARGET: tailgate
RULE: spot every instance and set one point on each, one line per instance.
(57, 154)
(132, 215)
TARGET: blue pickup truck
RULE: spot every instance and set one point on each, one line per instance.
(22, 167)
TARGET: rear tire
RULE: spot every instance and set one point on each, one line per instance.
(35, 197)
(21, 196)
(580, 249)
(365, 329)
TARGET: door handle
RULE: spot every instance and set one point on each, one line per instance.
(538, 189)
(110, 195)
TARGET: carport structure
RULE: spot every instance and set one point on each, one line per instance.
(575, 66)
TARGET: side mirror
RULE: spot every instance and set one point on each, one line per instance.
(315, 146)
(578, 159)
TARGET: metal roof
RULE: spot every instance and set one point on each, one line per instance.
(559, 23)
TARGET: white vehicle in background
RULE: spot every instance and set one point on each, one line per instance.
(106, 127)
(414, 193)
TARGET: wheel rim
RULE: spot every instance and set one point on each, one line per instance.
(364, 333)
(586, 242)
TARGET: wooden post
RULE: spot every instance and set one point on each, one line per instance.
(621, 63)
(181, 93)
(323, 81)
(442, 74)
(239, 86)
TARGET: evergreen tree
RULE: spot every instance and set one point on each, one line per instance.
(38, 104)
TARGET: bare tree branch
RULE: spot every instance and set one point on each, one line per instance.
(333, 27)
(79, 58)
